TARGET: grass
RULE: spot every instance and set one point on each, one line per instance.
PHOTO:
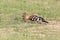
(12, 27)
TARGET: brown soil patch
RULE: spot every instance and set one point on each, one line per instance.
(54, 25)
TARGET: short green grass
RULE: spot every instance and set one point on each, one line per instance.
(12, 27)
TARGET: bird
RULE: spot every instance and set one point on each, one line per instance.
(33, 17)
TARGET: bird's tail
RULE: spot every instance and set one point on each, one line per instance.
(45, 21)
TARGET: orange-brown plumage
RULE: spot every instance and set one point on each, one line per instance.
(26, 16)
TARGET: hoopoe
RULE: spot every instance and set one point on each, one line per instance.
(33, 17)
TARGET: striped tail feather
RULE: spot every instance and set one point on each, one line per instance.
(45, 21)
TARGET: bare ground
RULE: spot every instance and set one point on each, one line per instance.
(53, 25)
